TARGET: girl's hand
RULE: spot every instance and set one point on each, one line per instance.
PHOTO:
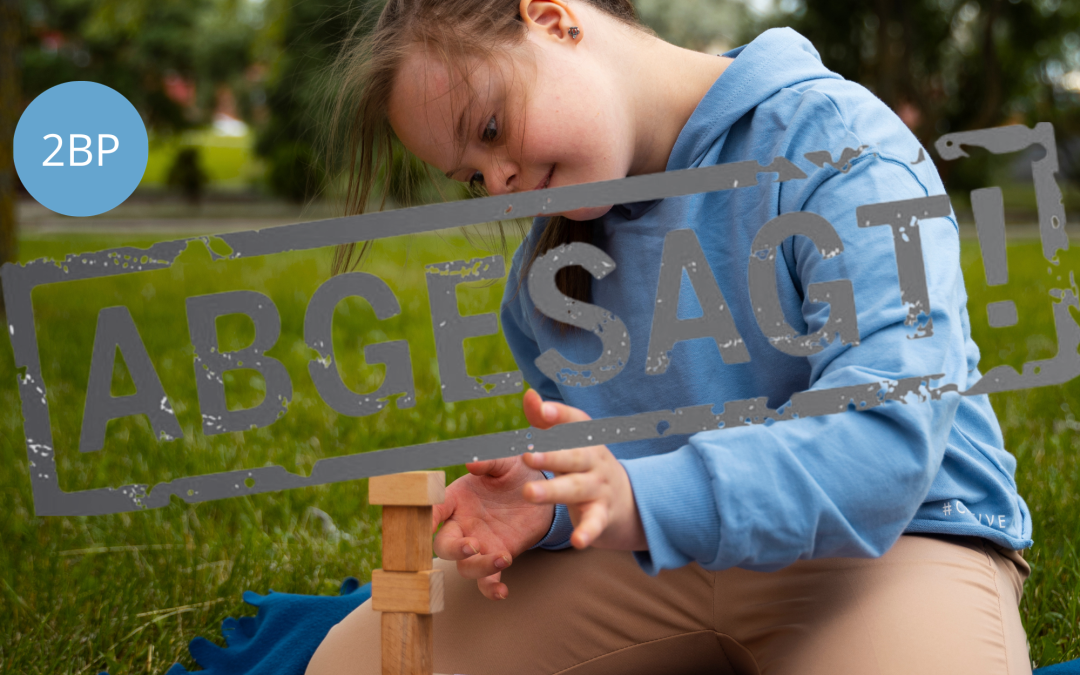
(590, 481)
(487, 523)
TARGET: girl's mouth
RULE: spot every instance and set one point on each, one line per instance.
(547, 179)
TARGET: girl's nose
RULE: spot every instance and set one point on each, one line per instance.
(501, 177)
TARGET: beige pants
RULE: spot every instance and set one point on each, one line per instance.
(930, 605)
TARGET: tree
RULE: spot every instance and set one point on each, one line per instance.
(947, 65)
(223, 53)
(302, 39)
(10, 109)
(702, 25)
(132, 46)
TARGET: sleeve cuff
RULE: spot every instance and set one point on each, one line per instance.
(674, 498)
(558, 536)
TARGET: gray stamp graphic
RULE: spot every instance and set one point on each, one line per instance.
(117, 331)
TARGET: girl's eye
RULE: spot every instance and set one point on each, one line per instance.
(492, 128)
(490, 132)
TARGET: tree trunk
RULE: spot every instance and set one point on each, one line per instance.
(10, 108)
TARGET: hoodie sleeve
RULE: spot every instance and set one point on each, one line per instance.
(521, 339)
(761, 497)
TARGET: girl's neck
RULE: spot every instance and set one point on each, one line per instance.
(665, 83)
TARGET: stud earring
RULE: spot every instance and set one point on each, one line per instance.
(574, 32)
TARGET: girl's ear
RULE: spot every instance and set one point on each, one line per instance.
(551, 18)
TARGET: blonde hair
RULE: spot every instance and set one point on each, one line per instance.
(360, 141)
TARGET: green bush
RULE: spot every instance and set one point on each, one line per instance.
(294, 172)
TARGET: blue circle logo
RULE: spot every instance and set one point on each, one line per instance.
(80, 148)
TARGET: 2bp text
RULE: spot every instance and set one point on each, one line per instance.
(84, 147)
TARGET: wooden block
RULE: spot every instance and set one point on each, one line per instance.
(406, 538)
(407, 644)
(419, 592)
(413, 488)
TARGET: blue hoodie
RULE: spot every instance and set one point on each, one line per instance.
(761, 497)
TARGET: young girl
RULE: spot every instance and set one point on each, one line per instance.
(880, 541)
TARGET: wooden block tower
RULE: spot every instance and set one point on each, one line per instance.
(407, 590)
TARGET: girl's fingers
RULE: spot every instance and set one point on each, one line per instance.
(442, 512)
(457, 549)
(491, 467)
(449, 544)
(492, 587)
(480, 468)
(570, 488)
(546, 414)
(439, 513)
(564, 461)
(480, 566)
(532, 405)
(539, 414)
(594, 520)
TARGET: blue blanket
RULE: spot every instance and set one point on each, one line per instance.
(283, 636)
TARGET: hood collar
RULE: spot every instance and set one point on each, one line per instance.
(778, 58)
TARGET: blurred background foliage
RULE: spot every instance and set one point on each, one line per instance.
(254, 70)
(951, 65)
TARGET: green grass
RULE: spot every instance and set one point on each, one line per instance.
(128, 592)
(228, 161)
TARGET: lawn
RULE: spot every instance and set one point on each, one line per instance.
(228, 161)
(128, 592)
